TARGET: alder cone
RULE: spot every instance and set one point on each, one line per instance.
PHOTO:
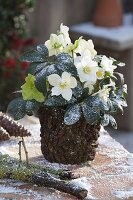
(3, 135)
(65, 144)
(12, 127)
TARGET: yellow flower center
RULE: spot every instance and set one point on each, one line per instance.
(99, 74)
(63, 85)
(87, 70)
(56, 45)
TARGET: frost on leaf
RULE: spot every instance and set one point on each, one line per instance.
(78, 91)
(91, 114)
(72, 114)
(36, 55)
(40, 81)
(55, 101)
(105, 120)
(32, 107)
(113, 122)
(16, 108)
(64, 63)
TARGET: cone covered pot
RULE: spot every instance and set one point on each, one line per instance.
(67, 144)
(73, 91)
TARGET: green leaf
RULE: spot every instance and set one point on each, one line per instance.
(58, 101)
(121, 93)
(115, 107)
(42, 49)
(112, 122)
(72, 115)
(32, 107)
(39, 54)
(65, 63)
(78, 91)
(39, 67)
(96, 101)
(32, 56)
(64, 58)
(122, 102)
(105, 120)
(16, 108)
(29, 91)
(40, 81)
(84, 95)
(32, 68)
(55, 101)
(52, 69)
(91, 114)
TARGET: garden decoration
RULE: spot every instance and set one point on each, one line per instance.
(59, 179)
(74, 91)
(9, 128)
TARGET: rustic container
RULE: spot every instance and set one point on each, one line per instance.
(66, 144)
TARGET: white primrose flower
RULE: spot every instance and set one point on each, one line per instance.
(86, 69)
(65, 31)
(58, 41)
(107, 64)
(62, 85)
(86, 45)
(55, 44)
(100, 73)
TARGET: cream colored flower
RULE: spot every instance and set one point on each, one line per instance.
(86, 69)
(86, 45)
(107, 64)
(100, 73)
(62, 85)
(65, 31)
(55, 44)
(58, 41)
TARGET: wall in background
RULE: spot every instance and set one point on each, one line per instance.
(48, 15)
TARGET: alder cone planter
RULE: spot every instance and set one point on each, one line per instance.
(108, 13)
(65, 144)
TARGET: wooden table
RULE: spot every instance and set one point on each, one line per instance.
(109, 176)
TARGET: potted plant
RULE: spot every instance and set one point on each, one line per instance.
(73, 90)
(108, 13)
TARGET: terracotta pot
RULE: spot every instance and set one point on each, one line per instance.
(66, 144)
(108, 13)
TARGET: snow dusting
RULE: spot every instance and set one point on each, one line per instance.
(124, 194)
(109, 175)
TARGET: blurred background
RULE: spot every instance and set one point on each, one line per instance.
(25, 23)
